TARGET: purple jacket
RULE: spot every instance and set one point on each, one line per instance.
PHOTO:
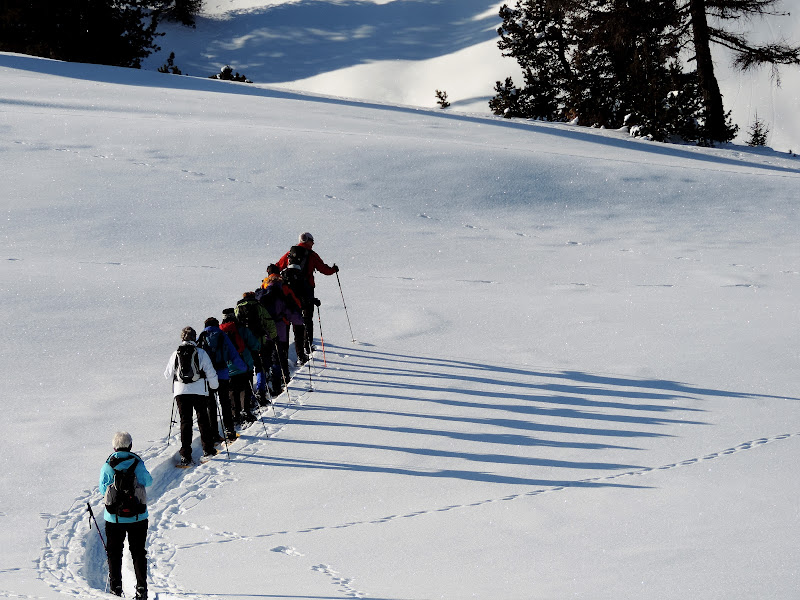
(279, 307)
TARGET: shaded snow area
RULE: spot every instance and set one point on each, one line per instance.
(567, 366)
(402, 51)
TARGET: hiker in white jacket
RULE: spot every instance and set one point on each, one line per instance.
(193, 377)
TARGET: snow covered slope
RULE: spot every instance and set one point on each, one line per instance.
(402, 51)
(573, 373)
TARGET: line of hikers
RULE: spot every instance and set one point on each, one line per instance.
(252, 340)
(213, 376)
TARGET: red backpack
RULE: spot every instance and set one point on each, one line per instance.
(233, 332)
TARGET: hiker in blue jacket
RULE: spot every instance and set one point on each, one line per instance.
(241, 385)
(222, 352)
(134, 526)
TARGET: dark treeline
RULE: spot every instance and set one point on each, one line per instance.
(111, 32)
(609, 63)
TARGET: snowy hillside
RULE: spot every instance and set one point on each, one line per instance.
(402, 51)
(574, 371)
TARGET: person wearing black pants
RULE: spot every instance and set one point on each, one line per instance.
(222, 353)
(136, 533)
(193, 380)
(126, 521)
(299, 265)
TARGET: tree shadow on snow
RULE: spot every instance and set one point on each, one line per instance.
(302, 39)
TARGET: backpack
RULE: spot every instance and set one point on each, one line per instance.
(248, 315)
(205, 341)
(187, 364)
(125, 496)
(232, 331)
(295, 273)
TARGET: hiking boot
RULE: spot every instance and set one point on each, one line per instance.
(218, 439)
(249, 417)
(231, 436)
(186, 461)
(301, 359)
(141, 593)
(210, 453)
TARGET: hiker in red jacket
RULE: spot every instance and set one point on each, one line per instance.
(297, 268)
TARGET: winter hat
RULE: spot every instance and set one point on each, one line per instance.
(188, 334)
(273, 270)
(249, 295)
(228, 311)
(211, 322)
(306, 237)
(122, 441)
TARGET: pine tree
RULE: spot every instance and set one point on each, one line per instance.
(111, 32)
(537, 34)
(695, 16)
(610, 62)
(183, 11)
(758, 133)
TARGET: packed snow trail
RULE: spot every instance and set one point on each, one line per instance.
(73, 561)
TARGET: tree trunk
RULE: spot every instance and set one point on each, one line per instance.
(716, 127)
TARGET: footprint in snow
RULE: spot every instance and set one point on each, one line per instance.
(287, 550)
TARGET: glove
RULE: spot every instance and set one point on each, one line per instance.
(335, 268)
(317, 301)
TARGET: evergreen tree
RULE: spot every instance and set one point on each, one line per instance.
(111, 32)
(608, 62)
(695, 16)
(538, 35)
(183, 11)
(758, 133)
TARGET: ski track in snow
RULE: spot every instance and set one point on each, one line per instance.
(72, 559)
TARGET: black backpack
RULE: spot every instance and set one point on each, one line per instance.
(247, 313)
(187, 364)
(295, 272)
(125, 497)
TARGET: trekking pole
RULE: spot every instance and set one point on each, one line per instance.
(219, 414)
(321, 337)
(310, 362)
(285, 383)
(345, 307)
(260, 408)
(102, 541)
(172, 422)
(91, 518)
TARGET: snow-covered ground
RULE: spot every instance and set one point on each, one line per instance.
(402, 51)
(574, 371)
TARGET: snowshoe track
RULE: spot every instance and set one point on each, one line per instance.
(72, 559)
